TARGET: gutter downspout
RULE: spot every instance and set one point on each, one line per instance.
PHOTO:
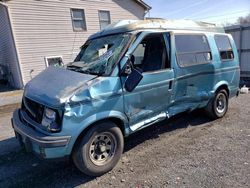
(21, 85)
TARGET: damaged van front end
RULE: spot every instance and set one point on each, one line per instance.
(60, 103)
(53, 115)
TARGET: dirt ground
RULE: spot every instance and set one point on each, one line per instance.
(188, 150)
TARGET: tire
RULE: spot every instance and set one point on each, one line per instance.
(218, 106)
(99, 150)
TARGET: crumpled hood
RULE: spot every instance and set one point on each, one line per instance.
(54, 86)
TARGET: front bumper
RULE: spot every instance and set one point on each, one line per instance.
(46, 146)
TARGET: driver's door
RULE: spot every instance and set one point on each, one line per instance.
(148, 102)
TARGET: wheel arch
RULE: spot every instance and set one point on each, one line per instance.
(209, 108)
(222, 85)
(119, 121)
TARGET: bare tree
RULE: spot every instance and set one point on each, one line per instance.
(242, 20)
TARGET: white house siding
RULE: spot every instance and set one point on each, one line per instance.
(44, 28)
(8, 55)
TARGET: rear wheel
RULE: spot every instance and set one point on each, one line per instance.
(218, 106)
(99, 150)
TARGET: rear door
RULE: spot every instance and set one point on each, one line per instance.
(194, 71)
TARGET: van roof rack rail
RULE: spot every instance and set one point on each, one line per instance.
(123, 26)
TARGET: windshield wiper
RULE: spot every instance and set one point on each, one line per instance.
(91, 72)
(96, 73)
(79, 69)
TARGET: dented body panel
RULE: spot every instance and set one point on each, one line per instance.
(82, 99)
(53, 87)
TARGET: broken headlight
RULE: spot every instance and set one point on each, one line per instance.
(49, 120)
(50, 114)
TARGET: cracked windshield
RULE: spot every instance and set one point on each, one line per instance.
(98, 56)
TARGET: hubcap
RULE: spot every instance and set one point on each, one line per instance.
(102, 148)
(221, 103)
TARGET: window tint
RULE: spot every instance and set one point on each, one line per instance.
(224, 47)
(104, 18)
(151, 54)
(192, 49)
(78, 19)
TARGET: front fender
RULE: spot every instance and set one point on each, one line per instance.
(75, 128)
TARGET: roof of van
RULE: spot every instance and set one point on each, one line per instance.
(162, 24)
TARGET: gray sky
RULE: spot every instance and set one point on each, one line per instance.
(214, 11)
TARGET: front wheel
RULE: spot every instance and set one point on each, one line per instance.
(218, 106)
(99, 150)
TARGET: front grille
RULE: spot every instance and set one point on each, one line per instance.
(32, 114)
(33, 109)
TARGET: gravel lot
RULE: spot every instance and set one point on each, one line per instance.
(187, 151)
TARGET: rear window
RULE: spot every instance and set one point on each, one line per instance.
(192, 49)
(224, 47)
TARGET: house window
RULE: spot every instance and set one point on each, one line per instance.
(224, 47)
(56, 61)
(192, 49)
(78, 20)
(104, 18)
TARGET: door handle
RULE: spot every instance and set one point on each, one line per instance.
(170, 85)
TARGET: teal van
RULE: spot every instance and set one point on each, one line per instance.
(126, 77)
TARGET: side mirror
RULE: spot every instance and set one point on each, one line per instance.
(133, 79)
(128, 67)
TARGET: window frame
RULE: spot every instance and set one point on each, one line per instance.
(73, 19)
(224, 60)
(196, 52)
(100, 20)
(168, 52)
(51, 57)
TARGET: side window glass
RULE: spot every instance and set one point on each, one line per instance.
(151, 54)
(139, 54)
(224, 47)
(192, 49)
